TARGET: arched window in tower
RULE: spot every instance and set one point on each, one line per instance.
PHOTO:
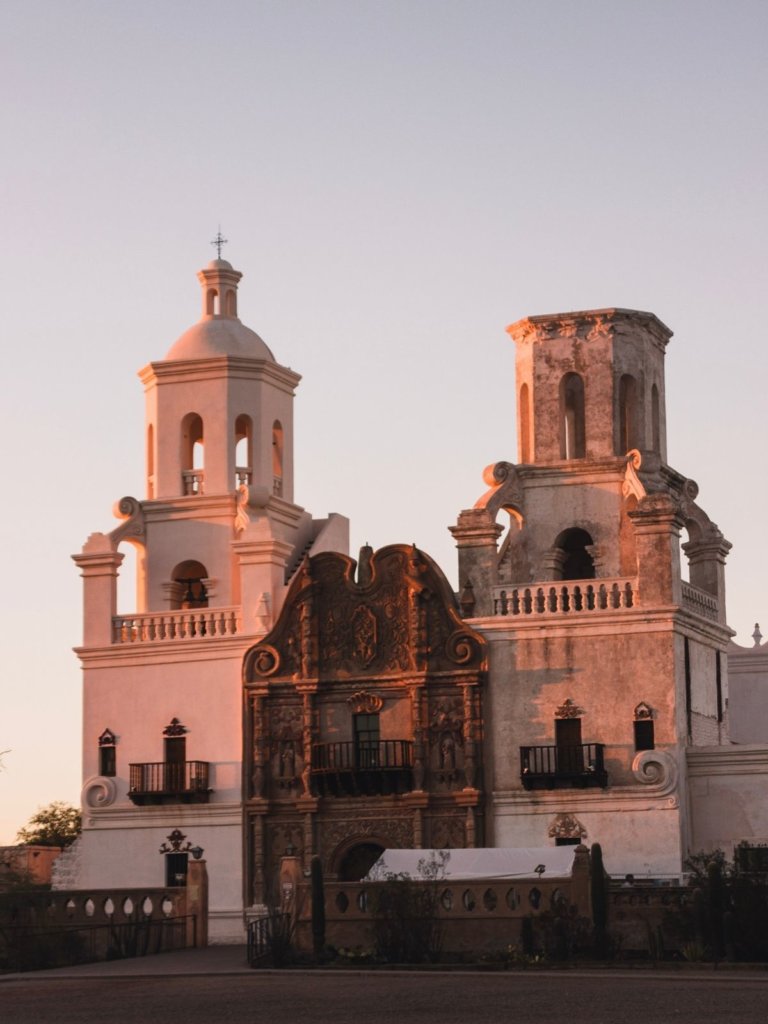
(243, 450)
(572, 432)
(189, 585)
(277, 458)
(192, 454)
(576, 561)
(150, 461)
(230, 303)
(656, 419)
(525, 425)
(628, 414)
(212, 302)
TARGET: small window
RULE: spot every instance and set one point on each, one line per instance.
(107, 758)
(567, 841)
(644, 734)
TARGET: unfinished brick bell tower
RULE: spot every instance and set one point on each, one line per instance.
(605, 663)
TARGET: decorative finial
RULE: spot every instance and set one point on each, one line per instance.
(757, 636)
(218, 241)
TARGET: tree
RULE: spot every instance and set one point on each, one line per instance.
(58, 824)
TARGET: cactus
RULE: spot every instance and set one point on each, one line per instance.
(318, 905)
(526, 935)
(599, 895)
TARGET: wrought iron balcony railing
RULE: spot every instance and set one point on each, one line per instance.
(560, 767)
(367, 768)
(164, 782)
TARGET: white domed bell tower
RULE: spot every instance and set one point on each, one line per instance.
(217, 537)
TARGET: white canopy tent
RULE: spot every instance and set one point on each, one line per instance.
(485, 863)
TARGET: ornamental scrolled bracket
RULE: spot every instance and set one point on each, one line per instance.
(656, 769)
(133, 527)
(264, 661)
(461, 647)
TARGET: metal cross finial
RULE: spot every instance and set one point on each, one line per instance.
(218, 241)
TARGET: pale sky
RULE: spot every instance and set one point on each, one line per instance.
(398, 181)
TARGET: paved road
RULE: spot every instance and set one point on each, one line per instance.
(387, 998)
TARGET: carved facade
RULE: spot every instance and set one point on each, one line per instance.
(363, 718)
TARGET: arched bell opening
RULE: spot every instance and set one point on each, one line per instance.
(192, 454)
(189, 589)
(277, 458)
(243, 450)
(628, 433)
(131, 578)
(577, 562)
(573, 444)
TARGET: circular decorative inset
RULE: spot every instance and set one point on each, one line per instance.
(512, 899)
(127, 906)
(89, 907)
(108, 906)
(167, 906)
(362, 901)
(342, 902)
(147, 907)
(446, 899)
(468, 900)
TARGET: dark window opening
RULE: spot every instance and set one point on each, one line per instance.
(567, 841)
(107, 761)
(644, 738)
(107, 754)
(176, 869)
(719, 685)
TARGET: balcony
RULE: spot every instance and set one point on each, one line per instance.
(560, 599)
(166, 783)
(376, 768)
(187, 624)
(565, 767)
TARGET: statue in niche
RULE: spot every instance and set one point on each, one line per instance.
(287, 753)
(447, 752)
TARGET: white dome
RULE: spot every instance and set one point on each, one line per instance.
(219, 336)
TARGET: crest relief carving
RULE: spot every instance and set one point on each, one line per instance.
(568, 709)
(363, 703)
(566, 826)
(643, 712)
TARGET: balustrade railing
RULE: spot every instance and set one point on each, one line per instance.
(44, 929)
(193, 480)
(564, 597)
(700, 601)
(157, 627)
(243, 475)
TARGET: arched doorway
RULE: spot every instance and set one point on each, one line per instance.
(358, 860)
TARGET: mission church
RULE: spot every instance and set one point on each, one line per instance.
(271, 695)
